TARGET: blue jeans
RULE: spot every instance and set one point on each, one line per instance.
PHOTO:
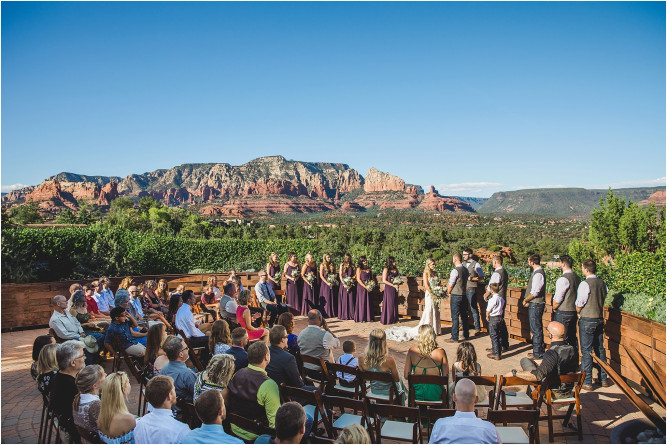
(459, 307)
(569, 320)
(471, 295)
(496, 332)
(535, 312)
(591, 331)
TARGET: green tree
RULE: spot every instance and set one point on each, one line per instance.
(147, 202)
(633, 229)
(26, 214)
(67, 217)
(605, 221)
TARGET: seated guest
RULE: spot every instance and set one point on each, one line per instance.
(159, 426)
(354, 433)
(47, 368)
(91, 302)
(282, 368)
(426, 358)
(210, 407)
(105, 301)
(233, 278)
(244, 317)
(220, 339)
(290, 425)
(73, 288)
(213, 282)
(185, 321)
(179, 290)
(154, 339)
(184, 378)
(86, 406)
(162, 293)
(162, 358)
(71, 360)
(120, 327)
(348, 359)
(287, 320)
(227, 306)
(208, 297)
(125, 283)
(267, 298)
(560, 356)
(143, 307)
(217, 374)
(375, 358)
(316, 340)
(464, 426)
(67, 327)
(79, 309)
(251, 393)
(37, 346)
(115, 423)
(175, 303)
(466, 364)
(124, 301)
(239, 342)
(151, 300)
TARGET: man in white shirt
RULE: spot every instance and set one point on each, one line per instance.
(267, 298)
(458, 303)
(535, 302)
(316, 340)
(564, 299)
(464, 426)
(63, 323)
(159, 426)
(185, 321)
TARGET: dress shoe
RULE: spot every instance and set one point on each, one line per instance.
(451, 340)
(606, 384)
(493, 357)
(531, 355)
(587, 387)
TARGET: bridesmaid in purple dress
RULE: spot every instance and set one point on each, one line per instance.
(346, 297)
(273, 268)
(389, 300)
(364, 310)
(327, 292)
(310, 291)
(292, 284)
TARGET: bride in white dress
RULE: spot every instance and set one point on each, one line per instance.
(431, 314)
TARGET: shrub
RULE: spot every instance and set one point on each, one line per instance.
(647, 306)
(639, 273)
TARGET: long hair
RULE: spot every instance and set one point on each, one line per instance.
(85, 380)
(328, 265)
(112, 400)
(347, 261)
(47, 362)
(219, 334)
(220, 369)
(426, 340)
(390, 263)
(125, 283)
(153, 342)
(467, 358)
(354, 434)
(173, 306)
(427, 269)
(162, 294)
(277, 263)
(360, 263)
(376, 351)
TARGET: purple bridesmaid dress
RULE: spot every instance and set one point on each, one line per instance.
(273, 270)
(309, 292)
(329, 294)
(364, 311)
(346, 298)
(292, 290)
(390, 301)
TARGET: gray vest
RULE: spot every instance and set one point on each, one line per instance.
(539, 298)
(503, 282)
(223, 303)
(472, 273)
(567, 305)
(462, 281)
(593, 307)
(311, 342)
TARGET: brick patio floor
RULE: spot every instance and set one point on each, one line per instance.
(602, 409)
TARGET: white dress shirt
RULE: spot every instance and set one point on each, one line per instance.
(538, 282)
(159, 426)
(584, 292)
(453, 276)
(66, 325)
(463, 427)
(185, 321)
(495, 306)
(562, 286)
(495, 278)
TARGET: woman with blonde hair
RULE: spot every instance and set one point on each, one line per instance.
(244, 318)
(86, 406)
(347, 296)
(115, 423)
(217, 374)
(375, 358)
(273, 272)
(162, 292)
(426, 358)
(328, 291)
(292, 275)
(47, 368)
(354, 433)
(125, 283)
(213, 282)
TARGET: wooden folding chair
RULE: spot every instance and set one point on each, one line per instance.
(514, 399)
(405, 431)
(132, 363)
(54, 335)
(313, 406)
(485, 381)
(386, 377)
(188, 413)
(320, 439)
(45, 419)
(573, 402)
(334, 387)
(440, 380)
(250, 425)
(513, 434)
(88, 436)
(193, 352)
(345, 419)
(434, 414)
(312, 376)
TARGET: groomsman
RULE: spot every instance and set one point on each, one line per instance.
(475, 274)
(535, 302)
(590, 301)
(564, 298)
(456, 288)
(501, 278)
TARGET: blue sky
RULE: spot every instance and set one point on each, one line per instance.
(472, 97)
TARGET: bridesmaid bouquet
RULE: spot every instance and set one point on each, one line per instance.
(396, 281)
(348, 282)
(295, 274)
(371, 285)
(277, 277)
(309, 278)
(332, 279)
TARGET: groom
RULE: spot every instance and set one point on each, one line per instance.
(456, 288)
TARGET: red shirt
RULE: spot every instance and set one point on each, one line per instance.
(91, 305)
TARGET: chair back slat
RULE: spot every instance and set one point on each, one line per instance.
(434, 414)
(417, 379)
(315, 376)
(332, 370)
(386, 377)
(527, 416)
(305, 397)
(250, 425)
(193, 356)
(380, 411)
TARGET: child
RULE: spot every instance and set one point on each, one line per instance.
(495, 310)
(466, 364)
(348, 359)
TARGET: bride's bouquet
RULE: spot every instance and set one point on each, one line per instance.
(438, 290)
(332, 279)
(309, 278)
(371, 285)
(295, 274)
(348, 282)
(396, 281)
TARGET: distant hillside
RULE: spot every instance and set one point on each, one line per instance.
(475, 203)
(73, 177)
(558, 201)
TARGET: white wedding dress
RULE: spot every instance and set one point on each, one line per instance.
(430, 316)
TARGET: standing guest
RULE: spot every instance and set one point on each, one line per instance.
(495, 311)
(316, 340)
(228, 305)
(535, 302)
(363, 311)
(115, 423)
(564, 300)
(376, 359)
(292, 288)
(67, 327)
(159, 426)
(282, 368)
(220, 339)
(290, 425)
(354, 433)
(500, 277)
(120, 327)
(251, 393)
(210, 407)
(244, 318)
(162, 293)
(475, 275)
(426, 358)
(390, 296)
(154, 339)
(175, 303)
(287, 320)
(273, 271)
(37, 345)
(347, 296)
(105, 302)
(267, 298)
(86, 406)
(239, 342)
(185, 321)
(47, 368)
(183, 377)
(464, 426)
(125, 283)
(328, 293)
(310, 290)
(71, 360)
(590, 301)
(217, 374)
(348, 359)
(213, 282)
(456, 288)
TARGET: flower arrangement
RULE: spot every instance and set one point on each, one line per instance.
(438, 290)
(277, 277)
(348, 282)
(295, 274)
(332, 279)
(396, 281)
(309, 278)
(371, 285)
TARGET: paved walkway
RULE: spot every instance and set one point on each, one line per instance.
(21, 403)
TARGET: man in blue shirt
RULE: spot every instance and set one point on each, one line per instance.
(210, 407)
(120, 327)
(184, 377)
(239, 341)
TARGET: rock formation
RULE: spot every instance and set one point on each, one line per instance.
(377, 181)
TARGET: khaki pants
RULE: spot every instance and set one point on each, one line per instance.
(137, 350)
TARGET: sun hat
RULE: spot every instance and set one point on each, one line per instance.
(91, 343)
